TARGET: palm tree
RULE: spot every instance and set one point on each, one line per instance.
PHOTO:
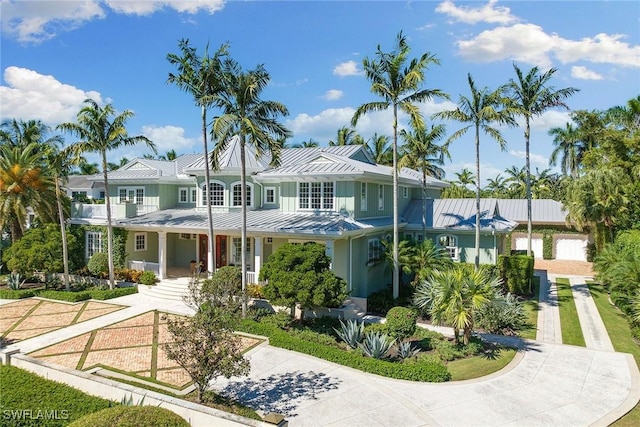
(626, 116)
(200, 77)
(496, 186)
(531, 96)
(465, 177)
(454, 295)
(429, 257)
(310, 143)
(379, 147)
(168, 156)
(99, 130)
(569, 146)
(480, 112)
(254, 121)
(517, 181)
(88, 168)
(347, 136)
(398, 82)
(420, 152)
(25, 179)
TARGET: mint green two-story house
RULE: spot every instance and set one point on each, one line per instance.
(336, 196)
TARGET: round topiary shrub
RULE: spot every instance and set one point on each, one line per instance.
(131, 416)
(99, 264)
(401, 322)
(147, 278)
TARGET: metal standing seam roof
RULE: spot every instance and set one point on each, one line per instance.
(230, 159)
(259, 221)
(83, 182)
(458, 214)
(543, 211)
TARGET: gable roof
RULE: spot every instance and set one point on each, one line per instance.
(83, 182)
(144, 168)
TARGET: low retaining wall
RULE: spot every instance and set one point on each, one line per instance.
(195, 414)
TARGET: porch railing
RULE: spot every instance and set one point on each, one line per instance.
(118, 210)
(145, 266)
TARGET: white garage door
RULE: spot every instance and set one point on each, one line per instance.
(536, 245)
(571, 249)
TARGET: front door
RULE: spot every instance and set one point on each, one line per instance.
(203, 245)
(221, 251)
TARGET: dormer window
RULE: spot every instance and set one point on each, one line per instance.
(216, 194)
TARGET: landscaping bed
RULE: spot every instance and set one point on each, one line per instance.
(96, 293)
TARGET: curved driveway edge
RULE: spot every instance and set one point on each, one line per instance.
(552, 385)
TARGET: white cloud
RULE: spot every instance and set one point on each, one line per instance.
(550, 119)
(431, 107)
(472, 15)
(147, 7)
(583, 73)
(322, 126)
(332, 95)
(169, 137)
(531, 44)
(30, 95)
(36, 21)
(537, 159)
(349, 68)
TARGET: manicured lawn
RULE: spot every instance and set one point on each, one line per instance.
(479, 366)
(532, 308)
(569, 322)
(41, 402)
(621, 338)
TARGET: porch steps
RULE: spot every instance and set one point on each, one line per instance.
(352, 309)
(168, 289)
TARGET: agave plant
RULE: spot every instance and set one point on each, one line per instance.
(406, 351)
(14, 281)
(376, 345)
(128, 400)
(351, 332)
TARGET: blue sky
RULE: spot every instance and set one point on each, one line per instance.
(54, 54)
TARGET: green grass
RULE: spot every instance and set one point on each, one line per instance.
(621, 338)
(23, 391)
(531, 308)
(479, 366)
(569, 322)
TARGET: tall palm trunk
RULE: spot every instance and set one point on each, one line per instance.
(424, 205)
(109, 226)
(396, 267)
(243, 231)
(63, 229)
(210, 240)
(527, 134)
(477, 258)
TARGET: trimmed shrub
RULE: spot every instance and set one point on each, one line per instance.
(254, 291)
(98, 264)
(547, 246)
(516, 272)
(134, 416)
(401, 322)
(147, 278)
(65, 296)
(19, 294)
(23, 390)
(104, 294)
(430, 371)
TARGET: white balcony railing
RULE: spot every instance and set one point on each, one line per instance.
(118, 210)
(145, 266)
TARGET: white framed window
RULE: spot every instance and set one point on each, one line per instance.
(450, 244)
(236, 190)
(193, 198)
(140, 242)
(93, 243)
(380, 197)
(183, 195)
(405, 192)
(131, 195)
(270, 195)
(216, 194)
(316, 195)
(236, 251)
(363, 196)
(375, 250)
(186, 236)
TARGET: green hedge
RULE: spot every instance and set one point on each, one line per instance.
(97, 294)
(23, 391)
(547, 246)
(516, 272)
(426, 371)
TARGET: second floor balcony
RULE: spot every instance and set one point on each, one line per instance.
(118, 210)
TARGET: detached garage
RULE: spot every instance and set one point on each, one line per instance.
(545, 214)
(570, 247)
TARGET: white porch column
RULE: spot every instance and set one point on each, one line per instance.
(257, 256)
(328, 250)
(162, 254)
